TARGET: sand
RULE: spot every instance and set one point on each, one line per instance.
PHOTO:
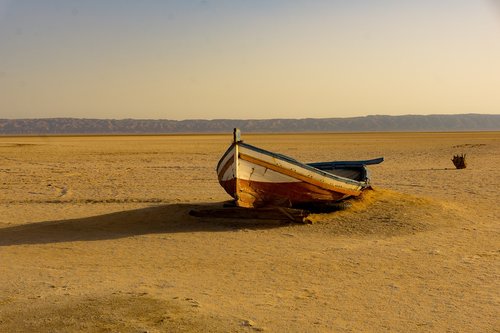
(95, 236)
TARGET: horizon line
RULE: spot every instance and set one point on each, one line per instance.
(262, 119)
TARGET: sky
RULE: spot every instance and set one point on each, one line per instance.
(248, 59)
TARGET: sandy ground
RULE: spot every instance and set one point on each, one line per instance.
(95, 236)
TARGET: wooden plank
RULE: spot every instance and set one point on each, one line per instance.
(299, 176)
(226, 166)
(275, 213)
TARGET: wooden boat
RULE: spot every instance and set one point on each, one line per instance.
(255, 177)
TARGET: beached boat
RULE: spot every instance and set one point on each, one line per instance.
(255, 177)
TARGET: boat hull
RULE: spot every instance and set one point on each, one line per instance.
(260, 194)
(258, 178)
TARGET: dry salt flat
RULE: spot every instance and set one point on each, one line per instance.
(95, 236)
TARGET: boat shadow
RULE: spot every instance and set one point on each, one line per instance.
(164, 219)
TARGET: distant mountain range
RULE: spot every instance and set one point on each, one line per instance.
(378, 123)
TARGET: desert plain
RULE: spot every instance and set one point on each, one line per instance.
(96, 236)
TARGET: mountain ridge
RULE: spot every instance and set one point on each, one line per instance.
(372, 123)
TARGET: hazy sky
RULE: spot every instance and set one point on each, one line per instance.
(248, 58)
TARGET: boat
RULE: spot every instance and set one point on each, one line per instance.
(255, 177)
